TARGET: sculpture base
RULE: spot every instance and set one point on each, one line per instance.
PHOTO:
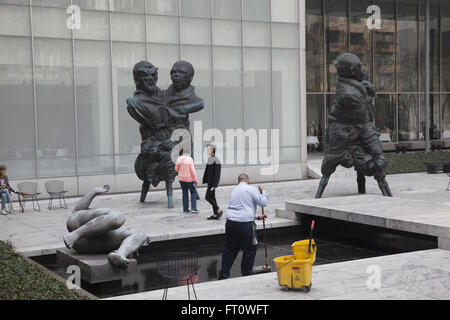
(94, 268)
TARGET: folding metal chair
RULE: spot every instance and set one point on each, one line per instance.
(28, 190)
(55, 189)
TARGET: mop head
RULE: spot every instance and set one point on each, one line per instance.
(261, 269)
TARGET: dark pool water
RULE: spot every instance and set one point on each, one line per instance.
(336, 242)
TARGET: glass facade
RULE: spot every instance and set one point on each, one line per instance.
(394, 53)
(63, 90)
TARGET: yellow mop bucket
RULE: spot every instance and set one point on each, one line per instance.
(294, 272)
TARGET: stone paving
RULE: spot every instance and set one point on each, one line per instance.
(37, 233)
(421, 275)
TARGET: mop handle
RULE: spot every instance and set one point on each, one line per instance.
(310, 235)
(265, 236)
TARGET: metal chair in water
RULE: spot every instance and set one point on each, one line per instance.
(179, 266)
(446, 169)
(55, 189)
(28, 190)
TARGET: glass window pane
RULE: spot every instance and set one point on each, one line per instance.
(18, 2)
(55, 107)
(125, 56)
(16, 103)
(128, 27)
(229, 9)
(50, 23)
(94, 101)
(94, 26)
(200, 57)
(95, 165)
(445, 29)
(228, 87)
(135, 6)
(434, 48)
(408, 117)
(195, 31)
(361, 37)
(286, 84)
(163, 56)
(162, 29)
(285, 35)
(435, 121)
(445, 110)
(336, 40)
(92, 4)
(285, 10)
(257, 85)
(51, 3)
(14, 20)
(196, 8)
(315, 116)
(314, 46)
(56, 167)
(385, 46)
(256, 10)
(385, 114)
(227, 33)
(21, 169)
(256, 34)
(169, 7)
(407, 30)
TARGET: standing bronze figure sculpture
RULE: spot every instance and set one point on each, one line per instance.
(159, 114)
(352, 139)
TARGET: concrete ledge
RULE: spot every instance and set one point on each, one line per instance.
(285, 214)
(444, 243)
(94, 268)
(417, 216)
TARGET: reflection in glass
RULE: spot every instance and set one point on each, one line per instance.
(407, 31)
(257, 82)
(16, 103)
(408, 117)
(94, 99)
(336, 37)
(361, 37)
(229, 9)
(285, 82)
(445, 109)
(256, 10)
(434, 48)
(435, 123)
(445, 62)
(125, 55)
(55, 100)
(315, 116)
(314, 46)
(385, 115)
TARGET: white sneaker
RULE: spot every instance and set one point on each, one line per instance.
(3, 212)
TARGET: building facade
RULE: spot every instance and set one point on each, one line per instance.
(65, 75)
(394, 53)
(260, 64)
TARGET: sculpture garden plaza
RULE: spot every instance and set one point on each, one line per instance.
(144, 144)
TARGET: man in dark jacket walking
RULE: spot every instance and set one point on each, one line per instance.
(212, 178)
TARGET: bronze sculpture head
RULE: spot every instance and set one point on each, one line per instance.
(182, 74)
(145, 76)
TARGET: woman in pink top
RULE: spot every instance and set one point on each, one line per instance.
(188, 181)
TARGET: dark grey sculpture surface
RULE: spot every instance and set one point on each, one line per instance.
(99, 231)
(159, 114)
(352, 139)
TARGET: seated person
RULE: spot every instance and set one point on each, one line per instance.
(5, 190)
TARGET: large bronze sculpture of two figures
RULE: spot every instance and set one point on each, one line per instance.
(160, 114)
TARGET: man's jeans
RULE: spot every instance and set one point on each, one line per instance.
(6, 198)
(189, 187)
(238, 235)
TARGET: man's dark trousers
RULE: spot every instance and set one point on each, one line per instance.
(238, 235)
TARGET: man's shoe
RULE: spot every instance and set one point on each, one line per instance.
(194, 211)
(3, 212)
